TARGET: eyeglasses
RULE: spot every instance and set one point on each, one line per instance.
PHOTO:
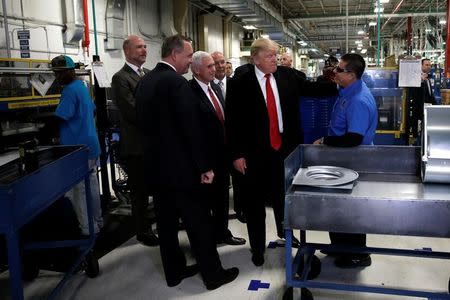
(337, 69)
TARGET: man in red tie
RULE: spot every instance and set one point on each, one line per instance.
(263, 127)
(212, 107)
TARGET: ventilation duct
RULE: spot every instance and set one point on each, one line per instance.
(73, 22)
(252, 13)
(115, 16)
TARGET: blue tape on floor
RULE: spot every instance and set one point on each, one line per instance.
(257, 284)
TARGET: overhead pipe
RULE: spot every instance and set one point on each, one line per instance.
(397, 7)
(447, 48)
(86, 40)
(369, 16)
(5, 21)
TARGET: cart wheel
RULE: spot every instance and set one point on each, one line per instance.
(316, 267)
(305, 294)
(30, 272)
(92, 268)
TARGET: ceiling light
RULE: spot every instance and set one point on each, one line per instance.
(427, 30)
(442, 22)
(383, 1)
(326, 55)
(359, 48)
(358, 42)
(372, 23)
(314, 49)
(364, 51)
(361, 32)
(353, 51)
(378, 9)
(265, 36)
(250, 27)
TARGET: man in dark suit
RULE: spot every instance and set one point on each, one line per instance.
(263, 127)
(418, 96)
(222, 81)
(212, 107)
(177, 164)
(286, 61)
(123, 85)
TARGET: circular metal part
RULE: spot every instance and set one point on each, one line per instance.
(326, 176)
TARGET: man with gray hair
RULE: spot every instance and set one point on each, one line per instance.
(212, 107)
(178, 164)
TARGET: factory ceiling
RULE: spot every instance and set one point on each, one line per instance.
(326, 24)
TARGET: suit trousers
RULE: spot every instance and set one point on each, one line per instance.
(263, 183)
(217, 195)
(236, 179)
(170, 205)
(139, 193)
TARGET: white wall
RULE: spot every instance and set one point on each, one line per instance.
(213, 30)
(45, 21)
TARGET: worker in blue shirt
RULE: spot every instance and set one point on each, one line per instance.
(353, 122)
(76, 127)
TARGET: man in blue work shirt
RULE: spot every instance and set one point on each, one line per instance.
(353, 122)
(76, 127)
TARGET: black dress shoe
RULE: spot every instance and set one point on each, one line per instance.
(232, 240)
(353, 261)
(148, 239)
(228, 276)
(188, 271)
(258, 259)
(241, 217)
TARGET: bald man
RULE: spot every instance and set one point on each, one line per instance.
(123, 85)
(286, 61)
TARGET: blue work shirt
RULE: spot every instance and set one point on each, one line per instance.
(355, 111)
(77, 110)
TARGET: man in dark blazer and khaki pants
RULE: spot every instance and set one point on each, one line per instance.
(263, 127)
(123, 86)
(177, 164)
(212, 107)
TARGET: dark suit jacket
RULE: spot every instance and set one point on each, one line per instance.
(123, 86)
(169, 117)
(213, 128)
(247, 121)
(420, 95)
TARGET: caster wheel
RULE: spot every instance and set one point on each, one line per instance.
(316, 268)
(91, 266)
(305, 294)
(30, 272)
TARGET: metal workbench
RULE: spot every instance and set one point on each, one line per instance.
(24, 196)
(388, 198)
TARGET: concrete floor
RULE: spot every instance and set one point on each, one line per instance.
(133, 271)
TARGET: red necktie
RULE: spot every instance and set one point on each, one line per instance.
(216, 106)
(275, 137)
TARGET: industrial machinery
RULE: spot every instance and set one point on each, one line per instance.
(28, 97)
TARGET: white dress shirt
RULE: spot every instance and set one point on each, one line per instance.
(135, 68)
(262, 83)
(223, 86)
(205, 89)
(163, 62)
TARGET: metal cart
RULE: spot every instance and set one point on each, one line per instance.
(388, 198)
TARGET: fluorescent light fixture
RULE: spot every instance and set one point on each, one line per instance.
(314, 49)
(382, 1)
(443, 43)
(428, 30)
(358, 42)
(326, 55)
(265, 36)
(250, 27)
(415, 37)
(361, 32)
(378, 9)
(372, 23)
(359, 48)
(442, 22)
(364, 51)
(353, 51)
